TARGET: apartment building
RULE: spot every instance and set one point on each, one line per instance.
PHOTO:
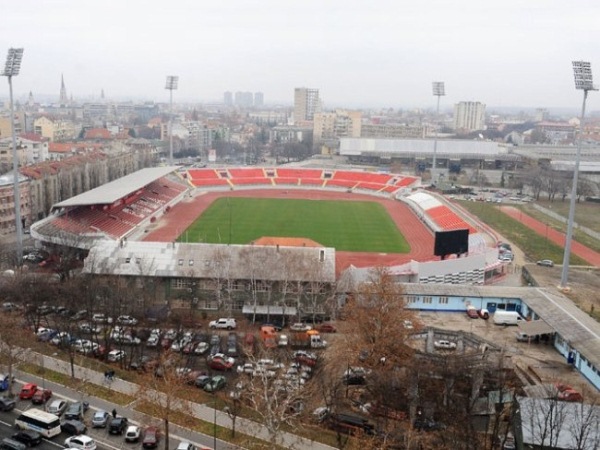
(338, 124)
(306, 104)
(56, 129)
(469, 116)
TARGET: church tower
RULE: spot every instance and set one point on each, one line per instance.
(64, 100)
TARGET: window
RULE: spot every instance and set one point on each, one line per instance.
(427, 300)
(411, 299)
(180, 283)
(443, 301)
(191, 262)
(238, 285)
(180, 262)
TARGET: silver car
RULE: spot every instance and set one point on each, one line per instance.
(100, 419)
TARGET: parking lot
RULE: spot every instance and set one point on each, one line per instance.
(536, 357)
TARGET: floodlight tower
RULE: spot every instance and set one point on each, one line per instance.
(439, 90)
(582, 71)
(11, 69)
(171, 85)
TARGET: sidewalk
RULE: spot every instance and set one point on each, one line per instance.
(199, 411)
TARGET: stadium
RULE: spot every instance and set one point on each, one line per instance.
(137, 226)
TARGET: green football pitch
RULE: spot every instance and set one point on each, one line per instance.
(353, 226)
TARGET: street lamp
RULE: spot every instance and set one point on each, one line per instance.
(582, 71)
(172, 82)
(11, 69)
(439, 90)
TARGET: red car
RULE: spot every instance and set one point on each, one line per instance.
(219, 363)
(326, 328)
(472, 312)
(151, 437)
(28, 391)
(41, 396)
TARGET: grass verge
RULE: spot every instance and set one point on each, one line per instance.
(534, 246)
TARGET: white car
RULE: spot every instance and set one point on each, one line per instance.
(127, 320)
(81, 442)
(133, 433)
(300, 327)
(116, 355)
(201, 348)
(101, 318)
(225, 324)
(444, 345)
(246, 368)
(283, 340)
(153, 340)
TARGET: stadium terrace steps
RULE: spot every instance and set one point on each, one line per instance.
(448, 219)
(371, 181)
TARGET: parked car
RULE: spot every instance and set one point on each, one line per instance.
(57, 407)
(76, 410)
(100, 419)
(232, 344)
(7, 404)
(472, 312)
(201, 381)
(28, 437)
(545, 263)
(216, 383)
(306, 358)
(220, 362)
(118, 425)
(226, 324)
(73, 427)
(151, 437)
(41, 396)
(326, 328)
(28, 391)
(444, 345)
(299, 326)
(116, 355)
(484, 313)
(101, 318)
(127, 320)
(201, 348)
(133, 433)
(153, 341)
(184, 445)
(81, 442)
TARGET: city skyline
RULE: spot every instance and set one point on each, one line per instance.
(504, 55)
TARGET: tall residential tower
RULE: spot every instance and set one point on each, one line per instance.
(469, 116)
(306, 104)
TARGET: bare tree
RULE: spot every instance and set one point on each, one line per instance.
(165, 396)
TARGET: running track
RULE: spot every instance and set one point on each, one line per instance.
(555, 236)
(416, 233)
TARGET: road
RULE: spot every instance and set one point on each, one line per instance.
(104, 440)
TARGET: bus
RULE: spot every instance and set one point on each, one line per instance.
(48, 425)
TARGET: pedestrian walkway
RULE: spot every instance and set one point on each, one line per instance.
(557, 237)
(198, 411)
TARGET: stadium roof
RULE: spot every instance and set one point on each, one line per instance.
(111, 192)
(423, 147)
(211, 261)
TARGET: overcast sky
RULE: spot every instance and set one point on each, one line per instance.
(357, 53)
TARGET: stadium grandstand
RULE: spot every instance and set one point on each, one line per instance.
(384, 184)
(113, 211)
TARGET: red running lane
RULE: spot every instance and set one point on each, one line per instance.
(420, 239)
(557, 237)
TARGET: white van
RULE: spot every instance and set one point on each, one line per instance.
(507, 318)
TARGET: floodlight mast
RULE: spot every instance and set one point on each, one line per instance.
(172, 82)
(582, 71)
(11, 69)
(439, 90)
